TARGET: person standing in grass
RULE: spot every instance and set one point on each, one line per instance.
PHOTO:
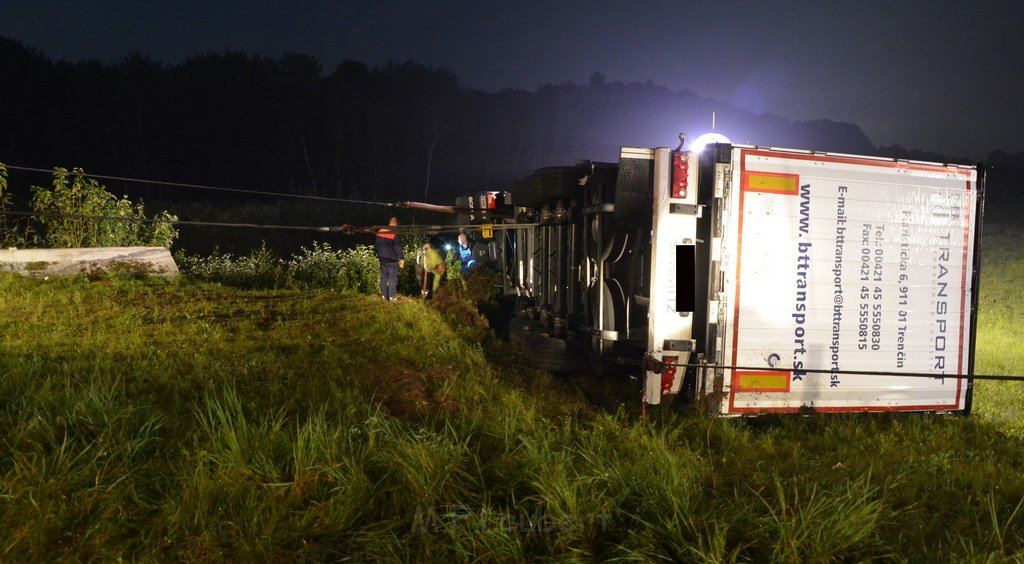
(391, 257)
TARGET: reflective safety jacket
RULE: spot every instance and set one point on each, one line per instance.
(388, 246)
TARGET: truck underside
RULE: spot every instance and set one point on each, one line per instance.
(637, 266)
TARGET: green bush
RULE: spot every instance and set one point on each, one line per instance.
(70, 215)
(408, 282)
(360, 271)
(13, 233)
(321, 267)
(259, 269)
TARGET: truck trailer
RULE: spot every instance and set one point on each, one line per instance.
(751, 280)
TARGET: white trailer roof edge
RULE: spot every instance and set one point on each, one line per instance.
(851, 156)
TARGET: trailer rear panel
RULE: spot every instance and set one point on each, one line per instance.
(841, 263)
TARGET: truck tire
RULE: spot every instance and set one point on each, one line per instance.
(547, 185)
(543, 351)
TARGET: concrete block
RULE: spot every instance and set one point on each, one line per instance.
(99, 261)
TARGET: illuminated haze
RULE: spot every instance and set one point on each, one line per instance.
(938, 76)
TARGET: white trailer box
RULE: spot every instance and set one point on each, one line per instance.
(816, 265)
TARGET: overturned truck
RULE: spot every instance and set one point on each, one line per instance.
(751, 280)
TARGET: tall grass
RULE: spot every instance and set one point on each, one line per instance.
(1000, 331)
(149, 420)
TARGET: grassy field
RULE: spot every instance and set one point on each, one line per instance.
(1001, 328)
(149, 420)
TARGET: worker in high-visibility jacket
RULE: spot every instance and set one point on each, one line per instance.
(430, 268)
(465, 249)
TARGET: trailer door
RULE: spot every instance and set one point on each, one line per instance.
(837, 263)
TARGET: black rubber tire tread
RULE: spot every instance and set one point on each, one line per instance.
(543, 352)
(547, 185)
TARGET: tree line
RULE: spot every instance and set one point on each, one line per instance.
(395, 131)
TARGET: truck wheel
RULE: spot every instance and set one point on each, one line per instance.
(547, 185)
(543, 351)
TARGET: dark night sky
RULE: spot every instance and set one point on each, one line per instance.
(940, 76)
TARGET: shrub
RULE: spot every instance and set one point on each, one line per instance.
(261, 269)
(408, 282)
(257, 270)
(359, 270)
(319, 267)
(70, 214)
(214, 268)
(13, 233)
(347, 270)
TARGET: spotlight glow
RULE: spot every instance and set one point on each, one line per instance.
(698, 144)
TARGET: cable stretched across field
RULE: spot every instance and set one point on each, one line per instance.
(411, 229)
(160, 220)
(347, 229)
(207, 187)
(440, 208)
(933, 376)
